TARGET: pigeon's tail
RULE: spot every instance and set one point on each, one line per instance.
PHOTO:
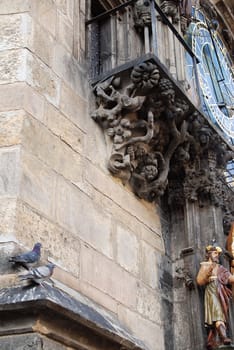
(25, 277)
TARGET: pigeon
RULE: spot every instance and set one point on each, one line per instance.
(38, 274)
(30, 257)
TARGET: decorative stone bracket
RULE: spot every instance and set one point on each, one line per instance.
(185, 275)
(158, 139)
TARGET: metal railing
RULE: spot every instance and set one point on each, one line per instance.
(115, 40)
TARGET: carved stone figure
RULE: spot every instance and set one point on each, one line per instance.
(185, 275)
(171, 9)
(215, 278)
(142, 15)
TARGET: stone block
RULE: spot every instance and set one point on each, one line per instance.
(62, 127)
(37, 186)
(9, 171)
(7, 218)
(82, 35)
(15, 31)
(12, 66)
(50, 149)
(42, 43)
(150, 333)
(70, 10)
(43, 79)
(77, 213)
(62, 5)
(21, 96)
(11, 123)
(76, 16)
(95, 149)
(122, 216)
(66, 7)
(65, 32)
(97, 296)
(50, 344)
(101, 180)
(68, 68)
(82, 291)
(149, 304)
(44, 12)
(31, 341)
(33, 103)
(58, 244)
(74, 107)
(83, 6)
(112, 188)
(182, 333)
(16, 6)
(12, 96)
(107, 276)
(149, 268)
(153, 238)
(127, 250)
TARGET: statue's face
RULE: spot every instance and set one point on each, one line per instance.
(214, 256)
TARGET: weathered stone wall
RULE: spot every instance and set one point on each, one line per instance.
(54, 185)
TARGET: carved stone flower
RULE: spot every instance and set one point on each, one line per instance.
(150, 172)
(145, 75)
(121, 132)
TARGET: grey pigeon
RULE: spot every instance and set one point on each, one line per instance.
(30, 257)
(39, 274)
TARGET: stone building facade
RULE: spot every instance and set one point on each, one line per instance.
(100, 135)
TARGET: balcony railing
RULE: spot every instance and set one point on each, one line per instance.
(127, 32)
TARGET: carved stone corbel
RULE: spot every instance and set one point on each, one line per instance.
(145, 122)
(186, 276)
(158, 140)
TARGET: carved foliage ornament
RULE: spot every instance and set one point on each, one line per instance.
(156, 136)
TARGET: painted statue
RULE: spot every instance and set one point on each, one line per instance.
(216, 279)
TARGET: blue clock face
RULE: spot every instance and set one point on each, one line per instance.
(215, 77)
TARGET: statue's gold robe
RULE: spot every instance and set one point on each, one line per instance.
(217, 295)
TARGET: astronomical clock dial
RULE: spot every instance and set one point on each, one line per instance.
(215, 76)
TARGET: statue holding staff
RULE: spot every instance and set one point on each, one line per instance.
(216, 279)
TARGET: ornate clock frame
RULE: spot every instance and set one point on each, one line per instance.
(216, 78)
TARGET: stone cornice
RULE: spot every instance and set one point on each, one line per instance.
(41, 302)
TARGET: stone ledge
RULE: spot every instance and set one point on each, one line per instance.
(46, 300)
